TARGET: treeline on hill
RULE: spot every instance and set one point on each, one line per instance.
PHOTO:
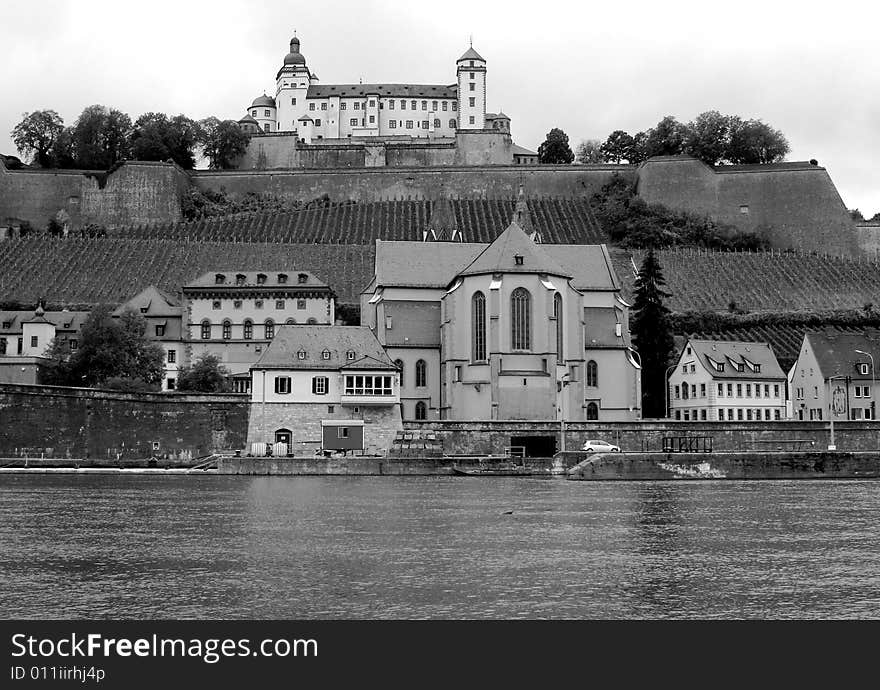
(712, 137)
(634, 224)
(735, 318)
(102, 137)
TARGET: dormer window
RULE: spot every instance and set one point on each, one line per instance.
(66, 324)
(518, 260)
(302, 278)
(325, 354)
(143, 310)
(261, 279)
(219, 279)
(7, 324)
(282, 278)
(863, 369)
(757, 368)
(240, 279)
(301, 354)
(719, 366)
(349, 355)
(741, 367)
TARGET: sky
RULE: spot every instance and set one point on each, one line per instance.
(809, 69)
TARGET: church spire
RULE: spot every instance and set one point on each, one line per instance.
(442, 227)
(523, 218)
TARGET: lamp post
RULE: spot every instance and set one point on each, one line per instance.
(873, 382)
(561, 406)
(666, 383)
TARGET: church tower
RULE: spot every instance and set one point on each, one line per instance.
(471, 71)
(292, 87)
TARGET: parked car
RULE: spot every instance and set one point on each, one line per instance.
(598, 446)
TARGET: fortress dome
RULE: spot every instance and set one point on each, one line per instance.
(294, 57)
(264, 101)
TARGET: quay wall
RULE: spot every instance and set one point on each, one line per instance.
(54, 421)
(749, 465)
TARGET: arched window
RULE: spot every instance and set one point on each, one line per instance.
(592, 374)
(399, 364)
(248, 329)
(312, 321)
(227, 330)
(421, 374)
(452, 123)
(560, 342)
(421, 410)
(269, 329)
(283, 436)
(478, 326)
(592, 411)
(520, 319)
(437, 123)
(290, 322)
(206, 329)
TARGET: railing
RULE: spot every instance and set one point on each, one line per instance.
(687, 444)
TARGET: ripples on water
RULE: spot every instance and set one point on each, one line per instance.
(103, 546)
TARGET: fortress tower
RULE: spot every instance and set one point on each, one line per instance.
(291, 88)
(471, 72)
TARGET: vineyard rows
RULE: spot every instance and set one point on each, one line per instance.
(561, 221)
(762, 281)
(91, 271)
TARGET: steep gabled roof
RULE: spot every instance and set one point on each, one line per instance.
(471, 54)
(338, 341)
(155, 301)
(514, 252)
(835, 350)
(382, 90)
(733, 352)
(251, 279)
(421, 264)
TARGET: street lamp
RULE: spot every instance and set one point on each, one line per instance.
(666, 383)
(873, 382)
(561, 408)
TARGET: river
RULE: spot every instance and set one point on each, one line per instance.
(147, 546)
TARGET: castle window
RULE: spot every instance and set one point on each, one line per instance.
(425, 124)
(160, 331)
(403, 105)
(323, 106)
(265, 113)
(445, 105)
(473, 86)
(392, 124)
(560, 344)
(74, 343)
(372, 119)
(520, 319)
(357, 105)
(434, 106)
(424, 105)
(219, 279)
(311, 106)
(421, 410)
(593, 376)
(452, 123)
(353, 122)
(319, 385)
(261, 278)
(593, 411)
(258, 304)
(292, 101)
(391, 104)
(300, 304)
(206, 330)
(412, 105)
(372, 103)
(744, 209)
(253, 113)
(454, 106)
(472, 74)
(518, 259)
(248, 329)
(478, 326)
(343, 105)
(317, 122)
(269, 329)
(436, 123)
(216, 304)
(282, 278)
(421, 374)
(409, 124)
(227, 330)
(472, 63)
(301, 354)
(349, 355)
(279, 304)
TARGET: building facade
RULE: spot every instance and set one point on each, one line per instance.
(314, 111)
(717, 380)
(510, 330)
(311, 378)
(235, 314)
(834, 376)
(25, 336)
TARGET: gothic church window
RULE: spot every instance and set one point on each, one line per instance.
(478, 326)
(421, 374)
(269, 329)
(520, 319)
(248, 329)
(557, 313)
(421, 410)
(227, 330)
(206, 329)
(592, 411)
(593, 375)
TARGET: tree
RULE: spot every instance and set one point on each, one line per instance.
(109, 348)
(206, 375)
(708, 137)
(651, 328)
(639, 148)
(63, 155)
(36, 134)
(222, 142)
(855, 214)
(100, 137)
(555, 149)
(589, 152)
(618, 147)
(156, 137)
(666, 139)
(752, 141)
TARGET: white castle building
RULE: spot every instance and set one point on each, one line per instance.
(338, 111)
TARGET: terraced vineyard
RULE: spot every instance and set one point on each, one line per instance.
(755, 282)
(563, 221)
(90, 271)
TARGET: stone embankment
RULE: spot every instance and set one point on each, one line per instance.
(743, 465)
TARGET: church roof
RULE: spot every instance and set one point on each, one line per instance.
(513, 251)
(471, 54)
(442, 222)
(338, 341)
(382, 90)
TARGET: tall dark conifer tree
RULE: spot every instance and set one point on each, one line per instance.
(651, 328)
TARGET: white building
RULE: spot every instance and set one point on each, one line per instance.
(338, 111)
(717, 380)
(311, 376)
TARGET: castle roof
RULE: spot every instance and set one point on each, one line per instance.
(471, 54)
(382, 90)
(71, 321)
(264, 101)
(151, 301)
(517, 150)
(314, 341)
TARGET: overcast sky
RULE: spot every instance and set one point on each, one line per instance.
(809, 69)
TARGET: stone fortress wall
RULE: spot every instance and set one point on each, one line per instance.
(796, 204)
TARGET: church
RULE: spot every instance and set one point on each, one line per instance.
(315, 111)
(511, 330)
